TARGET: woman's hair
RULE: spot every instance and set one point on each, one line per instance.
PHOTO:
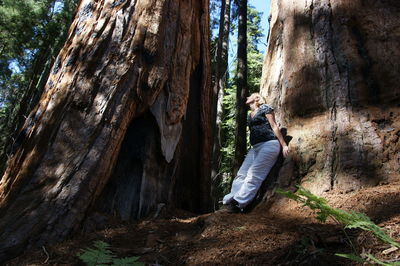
(259, 100)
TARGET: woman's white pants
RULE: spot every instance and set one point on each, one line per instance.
(255, 168)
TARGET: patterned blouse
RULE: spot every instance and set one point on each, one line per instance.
(260, 129)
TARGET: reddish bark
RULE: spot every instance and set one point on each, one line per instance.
(126, 64)
(331, 72)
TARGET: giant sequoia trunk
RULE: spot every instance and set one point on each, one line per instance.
(133, 74)
(331, 72)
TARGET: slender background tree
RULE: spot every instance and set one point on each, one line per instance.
(219, 85)
(242, 88)
(228, 118)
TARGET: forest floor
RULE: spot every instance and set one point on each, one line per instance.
(284, 234)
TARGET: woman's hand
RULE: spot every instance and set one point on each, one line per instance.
(277, 132)
(285, 151)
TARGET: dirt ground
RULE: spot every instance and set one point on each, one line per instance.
(284, 234)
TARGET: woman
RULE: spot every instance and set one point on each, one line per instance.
(266, 140)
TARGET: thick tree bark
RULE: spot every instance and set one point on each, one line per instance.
(241, 88)
(132, 72)
(331, 72)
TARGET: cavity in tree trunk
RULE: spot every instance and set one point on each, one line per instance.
(131, 72)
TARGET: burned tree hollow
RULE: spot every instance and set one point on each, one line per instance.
(140, 179)
(143, 179)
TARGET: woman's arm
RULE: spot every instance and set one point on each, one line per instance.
(278, 134)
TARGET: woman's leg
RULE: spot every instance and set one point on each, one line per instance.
(266, 155)
(240, 177)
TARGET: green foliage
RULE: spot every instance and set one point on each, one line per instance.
(215, 7)
(99, 255)
(351, 257)
(31, 34)
(350, 220)
(372, 258)
(28, 25)
(358, 259)
(254, 69)
(102, 255)
(254, 56)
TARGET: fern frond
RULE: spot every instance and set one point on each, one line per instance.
(347, 219)
(377, 261)
(132, 261)
(98, 256)
(102, 255)
(352, 257)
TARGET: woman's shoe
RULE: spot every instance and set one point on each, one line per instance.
(231, 207)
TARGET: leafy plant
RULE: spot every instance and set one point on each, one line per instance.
(349, 220)
(102, 255)
(351, 257)
(31, 34)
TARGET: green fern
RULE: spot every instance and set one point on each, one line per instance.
(351, 257)
(347, 219)
(381, 262)
(369, 256)
(127, 261)
(102, 255)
